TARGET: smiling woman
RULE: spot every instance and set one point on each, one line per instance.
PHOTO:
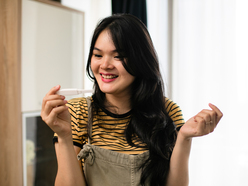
(127, 132)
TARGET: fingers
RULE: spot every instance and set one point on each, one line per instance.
(208, 119)
(219, 114)
(52, 93)
(53, 90)
(52, 103)
(201, 125)
(53, 115)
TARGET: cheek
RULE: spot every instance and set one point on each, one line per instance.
(93, 66)
(123, 71)
(129, 78)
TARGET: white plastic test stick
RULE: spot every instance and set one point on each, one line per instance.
(71, 92)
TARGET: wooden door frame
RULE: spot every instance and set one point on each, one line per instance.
(11, 165)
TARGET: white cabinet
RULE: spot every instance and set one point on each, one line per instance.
(52, 54)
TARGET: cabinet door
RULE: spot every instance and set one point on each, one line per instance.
(52, 54)
(52, 50)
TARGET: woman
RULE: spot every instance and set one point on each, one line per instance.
(130, 120)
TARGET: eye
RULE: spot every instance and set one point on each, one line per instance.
(97, 55)
(119, 57)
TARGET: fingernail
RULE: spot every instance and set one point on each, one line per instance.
(210, 104)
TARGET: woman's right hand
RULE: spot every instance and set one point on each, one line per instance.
(55, 113)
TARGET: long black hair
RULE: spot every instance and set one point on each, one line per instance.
(149, 119)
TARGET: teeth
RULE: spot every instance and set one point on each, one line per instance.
(108, 76)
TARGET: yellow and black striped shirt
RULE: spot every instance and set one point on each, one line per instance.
(108, 129)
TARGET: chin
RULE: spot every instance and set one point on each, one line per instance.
(106, 91)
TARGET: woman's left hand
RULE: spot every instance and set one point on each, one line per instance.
(201, 124)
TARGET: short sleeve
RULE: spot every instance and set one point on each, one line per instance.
(79, 118)
(175, 113)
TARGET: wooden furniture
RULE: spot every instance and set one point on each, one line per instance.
(10, 93)
(11, 88)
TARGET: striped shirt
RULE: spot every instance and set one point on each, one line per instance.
(108, 129)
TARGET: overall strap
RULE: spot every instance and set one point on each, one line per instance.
(88, 99)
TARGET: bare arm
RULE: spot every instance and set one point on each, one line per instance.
(57, 117)
(201, 124)
(69, 168)
(178, 171)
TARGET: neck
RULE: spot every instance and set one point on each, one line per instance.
(117, 105)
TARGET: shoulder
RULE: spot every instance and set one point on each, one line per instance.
(174, 112)
(79, 102)
(78, 106)
(170, 105)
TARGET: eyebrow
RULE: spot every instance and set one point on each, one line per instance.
(95, 48)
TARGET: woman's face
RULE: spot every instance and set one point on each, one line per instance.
(107, 67)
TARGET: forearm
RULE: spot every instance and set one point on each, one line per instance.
(69, 172)
(178, 172)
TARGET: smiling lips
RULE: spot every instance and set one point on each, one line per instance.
(108, 77)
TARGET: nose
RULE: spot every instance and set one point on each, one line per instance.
(106, 63)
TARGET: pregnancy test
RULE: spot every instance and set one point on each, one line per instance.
(71, 91)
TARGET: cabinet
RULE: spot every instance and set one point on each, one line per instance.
(52, 54)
